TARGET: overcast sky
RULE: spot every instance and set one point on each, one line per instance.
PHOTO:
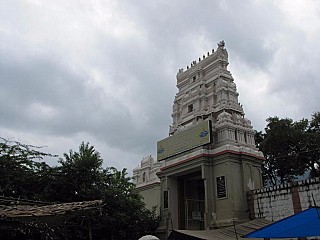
(104, 71)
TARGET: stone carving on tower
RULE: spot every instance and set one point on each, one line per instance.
(207, 91)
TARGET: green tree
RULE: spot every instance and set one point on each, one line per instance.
(315, 122)
(21, 169)
(79, 177)
(290, 148)
(311, 154)
(278, 145)
(124, 212)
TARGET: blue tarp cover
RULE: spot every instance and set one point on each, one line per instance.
(302, 224)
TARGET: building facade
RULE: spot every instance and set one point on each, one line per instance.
(147, 182)
(209, 160)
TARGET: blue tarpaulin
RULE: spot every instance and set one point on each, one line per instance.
(302, 224)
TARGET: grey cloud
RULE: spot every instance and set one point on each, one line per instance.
(47, 70)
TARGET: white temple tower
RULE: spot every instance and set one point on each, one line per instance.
(209, 160)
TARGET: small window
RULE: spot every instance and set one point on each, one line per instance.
(190, 108)
(194, 78)
(144, 177)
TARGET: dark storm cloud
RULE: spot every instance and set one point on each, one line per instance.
(27, 80)
(104, 71)
(247, 27)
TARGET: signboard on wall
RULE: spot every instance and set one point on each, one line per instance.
(185, 140)
(165, 199)
(221, 187)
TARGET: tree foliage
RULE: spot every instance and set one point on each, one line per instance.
(21, 169)
(80, 176)
(291, 148)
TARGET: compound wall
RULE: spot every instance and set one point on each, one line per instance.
(275, 203)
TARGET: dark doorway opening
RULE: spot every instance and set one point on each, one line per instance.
(191, 201)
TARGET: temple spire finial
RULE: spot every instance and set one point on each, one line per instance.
(221, 44)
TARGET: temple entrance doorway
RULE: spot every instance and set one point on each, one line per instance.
(191, 201)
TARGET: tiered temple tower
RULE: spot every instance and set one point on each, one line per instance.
(207, 91)
(209, 160)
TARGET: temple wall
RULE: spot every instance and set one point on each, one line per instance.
(151, 196)
(275, 203)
